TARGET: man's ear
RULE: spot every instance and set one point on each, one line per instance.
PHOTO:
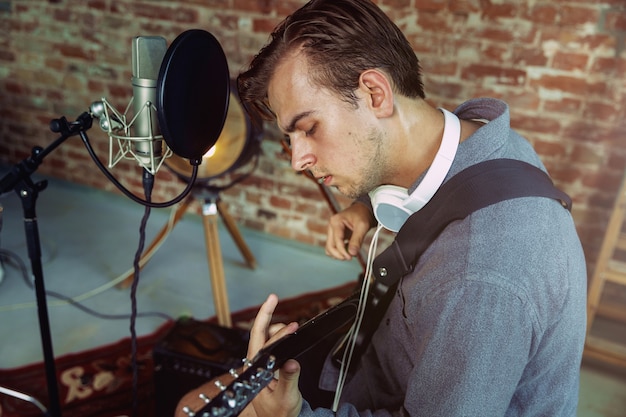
(378, 93)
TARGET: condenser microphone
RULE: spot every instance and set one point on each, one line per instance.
(135, 134)
(180, 97)
(147, 54)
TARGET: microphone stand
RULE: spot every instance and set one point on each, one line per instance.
(19, 180)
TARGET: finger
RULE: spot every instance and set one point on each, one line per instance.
(260, 328)
(287, 386)
(356, 240)
(335, 240)
(282, 331)
(275, 328)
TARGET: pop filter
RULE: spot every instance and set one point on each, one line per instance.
(193, 90)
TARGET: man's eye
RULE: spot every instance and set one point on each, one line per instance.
(287, 141)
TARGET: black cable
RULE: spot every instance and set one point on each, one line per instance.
(132, 196)
(148, 184)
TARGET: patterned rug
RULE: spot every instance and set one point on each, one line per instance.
(98, 382)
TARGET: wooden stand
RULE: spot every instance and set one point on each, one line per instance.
(609, 268)
(212, 207)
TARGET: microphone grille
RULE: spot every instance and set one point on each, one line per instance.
(147, 55)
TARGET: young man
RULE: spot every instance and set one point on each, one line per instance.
(491, 321)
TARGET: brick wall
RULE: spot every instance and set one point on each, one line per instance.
(560, 65)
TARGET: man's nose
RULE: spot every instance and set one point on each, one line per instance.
(302, 156)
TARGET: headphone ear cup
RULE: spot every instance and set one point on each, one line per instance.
(388, 205)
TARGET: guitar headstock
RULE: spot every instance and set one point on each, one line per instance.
(240, 391)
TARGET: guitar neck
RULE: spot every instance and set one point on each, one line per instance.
(240, 392)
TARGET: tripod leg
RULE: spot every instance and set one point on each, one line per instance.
(216, 266)
(237, 237)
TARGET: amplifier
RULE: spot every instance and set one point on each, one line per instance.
(192, 353)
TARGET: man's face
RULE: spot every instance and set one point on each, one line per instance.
(338, 142)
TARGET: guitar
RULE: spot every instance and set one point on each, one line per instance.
(258, 373)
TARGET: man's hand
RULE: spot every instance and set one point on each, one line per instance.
(282, 397)
(346, 231)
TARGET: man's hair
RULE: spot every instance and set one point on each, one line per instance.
(340, 39)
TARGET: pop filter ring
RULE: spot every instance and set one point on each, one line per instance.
(193, 91)
(250, 142)
(180, 92)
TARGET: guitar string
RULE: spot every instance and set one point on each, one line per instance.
(352, 334)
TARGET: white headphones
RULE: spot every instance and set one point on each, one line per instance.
(393, 205)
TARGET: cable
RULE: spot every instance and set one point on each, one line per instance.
(98, 290)
(352, 334)
(13, 259)
(148, 184)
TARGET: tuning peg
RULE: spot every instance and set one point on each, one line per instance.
(220, 385)
(204, 398)
(246, 362)
(233, 373)
(188, 411)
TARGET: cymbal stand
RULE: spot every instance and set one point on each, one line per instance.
(28, 191)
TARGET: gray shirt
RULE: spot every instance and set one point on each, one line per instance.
(491, 322)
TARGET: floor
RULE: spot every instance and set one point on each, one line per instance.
(88, 240)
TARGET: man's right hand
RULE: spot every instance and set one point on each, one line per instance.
(346, 231)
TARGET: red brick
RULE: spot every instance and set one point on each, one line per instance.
(431, 5)
(608, 65)
(495, 11)
(394, 4)
(574, 16)
(75, 51)
(176, 14)
(566, 174)
(568, 105)
(529, 56)
(603, 180)
(582, 130)
(287, 7)
(316, 226)
(544, 13)
(495, 52)
(549, 148)
(495, 34)
(438, 67)
(564, 83)
(97, 5)
(569, 61)
(615, 21)
(443, 88)
(507, 76)
(583, 153)
(280, 202)
(264, 25)
(601, 111)
(260, 6)
(464, 7)
(536, 123)
(432, 21)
